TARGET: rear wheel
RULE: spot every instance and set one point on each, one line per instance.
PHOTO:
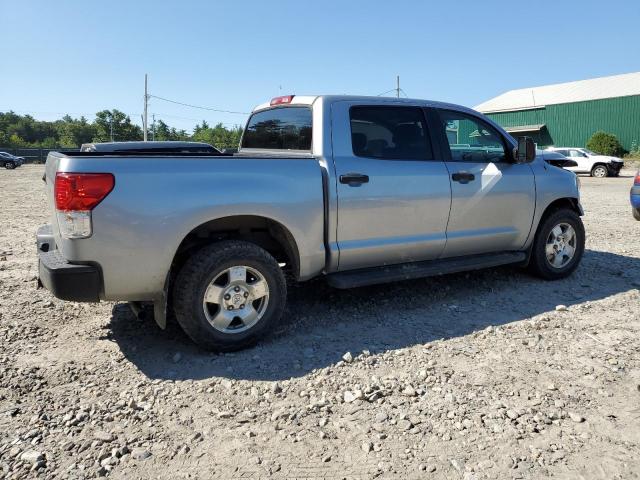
(229, 295)
(558, 246)
(599, 171)
(9, 165)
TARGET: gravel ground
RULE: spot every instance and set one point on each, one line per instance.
(479, 375)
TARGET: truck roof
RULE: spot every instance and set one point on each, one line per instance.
(311, 99)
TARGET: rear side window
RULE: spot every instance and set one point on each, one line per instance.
(398, 133)
(284, 128)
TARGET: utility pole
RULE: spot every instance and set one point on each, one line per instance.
(111, 124)
(398, 86)
(146, 100)
(153, 128)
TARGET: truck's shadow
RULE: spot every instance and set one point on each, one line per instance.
(321, 323)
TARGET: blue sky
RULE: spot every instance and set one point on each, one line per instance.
(83, 56)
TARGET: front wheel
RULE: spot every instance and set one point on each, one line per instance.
(9, 165)
(558, 246)
(229, 295)
(599, 171)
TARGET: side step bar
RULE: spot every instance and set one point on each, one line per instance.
(429, 268)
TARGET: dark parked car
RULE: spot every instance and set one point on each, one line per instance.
(9, 161)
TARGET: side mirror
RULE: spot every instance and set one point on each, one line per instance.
(526, 152)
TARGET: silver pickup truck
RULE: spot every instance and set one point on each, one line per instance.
(359, 190)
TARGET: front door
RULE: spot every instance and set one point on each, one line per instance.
(393, 197)
(581, 158)
(492, 198)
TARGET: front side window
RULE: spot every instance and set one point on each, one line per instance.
(398, 133)
(283, 128)
(470, 139)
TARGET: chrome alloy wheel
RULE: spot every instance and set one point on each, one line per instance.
(561, 245)
(236, 299)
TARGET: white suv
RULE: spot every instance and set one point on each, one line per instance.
(591, 162)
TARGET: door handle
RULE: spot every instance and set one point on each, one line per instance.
(463, 177)
(354, 179)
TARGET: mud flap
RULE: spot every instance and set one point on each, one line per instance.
(160, 311)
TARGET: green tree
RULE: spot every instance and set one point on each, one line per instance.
(163, 133)
(25, 131)
(218, 136)
(108, 121)
(74, 132)
(605, 144)
(16, 141)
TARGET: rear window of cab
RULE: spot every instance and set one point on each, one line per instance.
(281, 128)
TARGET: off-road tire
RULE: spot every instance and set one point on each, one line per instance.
(199, 271)
(538, 263)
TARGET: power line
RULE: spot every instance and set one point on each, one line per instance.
(166, 115)
(388, 91)
(198, 106)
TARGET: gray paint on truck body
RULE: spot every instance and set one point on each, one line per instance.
(158, 200)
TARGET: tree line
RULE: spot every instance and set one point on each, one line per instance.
(20, 131)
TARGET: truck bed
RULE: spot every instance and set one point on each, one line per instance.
(158, 199)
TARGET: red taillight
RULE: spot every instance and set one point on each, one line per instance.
(81, 191)
(636, 181)
(281, 100)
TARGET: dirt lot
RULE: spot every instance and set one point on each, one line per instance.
(469, 376)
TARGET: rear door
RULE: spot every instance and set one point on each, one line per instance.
(493, 199)
(393, 195)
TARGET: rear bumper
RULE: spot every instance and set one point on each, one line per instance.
(66, 281)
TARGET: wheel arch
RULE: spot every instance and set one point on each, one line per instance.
(265, 232)
(571, 203)
(533, 253)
